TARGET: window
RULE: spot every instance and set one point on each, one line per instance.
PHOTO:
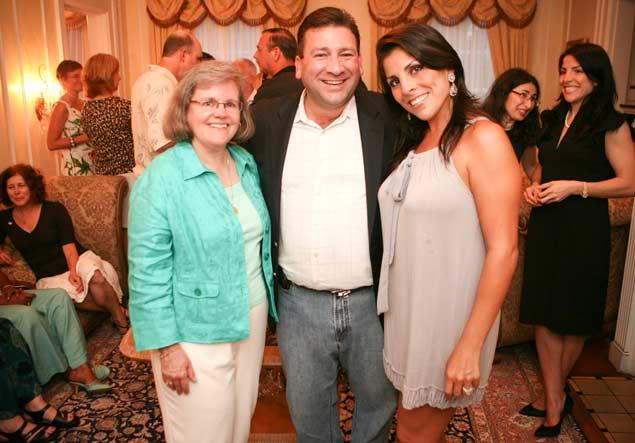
(228, 43)
(472, 45)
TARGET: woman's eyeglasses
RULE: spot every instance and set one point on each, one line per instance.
(527, 96)
(212, 103)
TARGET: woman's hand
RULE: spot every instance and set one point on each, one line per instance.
(531, 194)
(462, 371)
(557, 190)
(76, 281)
(176, 369)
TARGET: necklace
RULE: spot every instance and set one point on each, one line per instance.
(566, 117)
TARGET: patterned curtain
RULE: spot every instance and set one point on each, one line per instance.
(190, 13)
(506, 22)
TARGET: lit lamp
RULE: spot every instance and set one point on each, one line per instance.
(46, 94)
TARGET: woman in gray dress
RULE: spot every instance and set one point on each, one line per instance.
(449, 214)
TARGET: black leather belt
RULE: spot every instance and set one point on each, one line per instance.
(283, 281)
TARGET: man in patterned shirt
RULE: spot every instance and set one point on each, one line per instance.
(151, 94)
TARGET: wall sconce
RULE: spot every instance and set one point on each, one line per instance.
(47, 95)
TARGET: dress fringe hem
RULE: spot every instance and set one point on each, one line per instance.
(429, 395)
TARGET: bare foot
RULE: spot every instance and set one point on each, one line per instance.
(539, 403)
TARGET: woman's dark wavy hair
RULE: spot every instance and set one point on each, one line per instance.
(31, 176)
(433, 51)
(596, 65)
(526, 132)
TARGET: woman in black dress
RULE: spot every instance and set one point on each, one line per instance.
(512, 102)
(586, 156)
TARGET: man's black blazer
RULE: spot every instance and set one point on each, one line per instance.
(283, 83)
(274, 121)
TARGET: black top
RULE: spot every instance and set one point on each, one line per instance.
(42, 248)
(519, 147)
(281, 84)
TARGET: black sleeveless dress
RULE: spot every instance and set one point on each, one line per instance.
(568, 243)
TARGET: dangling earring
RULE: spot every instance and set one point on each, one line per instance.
(453, 89)
(409, 116)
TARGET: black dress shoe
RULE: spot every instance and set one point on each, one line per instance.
(530, 411)
(554, 431)
(568, 406)
(549, 431)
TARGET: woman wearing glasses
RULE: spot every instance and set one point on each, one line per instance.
(513, 103)
(201, 279)
(586, 156)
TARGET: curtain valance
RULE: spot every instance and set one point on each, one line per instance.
(484, 13)
(190, 13)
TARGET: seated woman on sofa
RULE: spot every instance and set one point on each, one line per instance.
(20, 394)
(47, 320)
(42, 231)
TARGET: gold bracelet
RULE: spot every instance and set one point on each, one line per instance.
(585, 191)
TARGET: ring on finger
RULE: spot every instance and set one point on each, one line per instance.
(467, 390)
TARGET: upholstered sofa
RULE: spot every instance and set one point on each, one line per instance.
(512, 332)
(95, 206)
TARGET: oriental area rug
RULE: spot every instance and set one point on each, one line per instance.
(130, 413)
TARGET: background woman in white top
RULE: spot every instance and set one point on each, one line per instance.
(65, 134)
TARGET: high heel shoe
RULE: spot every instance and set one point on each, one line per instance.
(549, 431)
(530, 410)
(58, 421)
(554, 431)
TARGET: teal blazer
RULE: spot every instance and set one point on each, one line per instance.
(187, 276)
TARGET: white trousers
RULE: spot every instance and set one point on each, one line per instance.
(220, 404)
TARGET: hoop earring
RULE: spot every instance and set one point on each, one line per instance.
(409, 117)
(453, 89)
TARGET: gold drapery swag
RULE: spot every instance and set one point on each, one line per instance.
(189, 14)
(484, 13)
(507, 23)
(74, 20)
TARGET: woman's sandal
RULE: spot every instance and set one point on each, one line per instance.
(58, 421)
(93, 388)
(35, 435)
(101, 372)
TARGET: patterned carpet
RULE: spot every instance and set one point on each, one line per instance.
(130, 413)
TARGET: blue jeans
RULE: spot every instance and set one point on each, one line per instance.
(317, 331)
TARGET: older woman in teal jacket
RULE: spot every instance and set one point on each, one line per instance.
(201, 279)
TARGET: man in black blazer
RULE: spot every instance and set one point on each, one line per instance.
(322, 156)
(275, 55)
